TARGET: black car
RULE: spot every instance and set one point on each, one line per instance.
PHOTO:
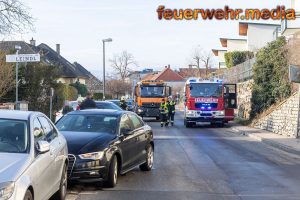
(105, 143)
(107, 105)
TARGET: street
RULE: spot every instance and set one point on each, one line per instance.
(204, 163)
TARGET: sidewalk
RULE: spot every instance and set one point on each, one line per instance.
(291, 145)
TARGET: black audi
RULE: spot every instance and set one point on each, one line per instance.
(105, 143)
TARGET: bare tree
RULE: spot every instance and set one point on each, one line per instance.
(203, 58)
(7, 81)
(14, 17)
(122, 64)
(118, 87)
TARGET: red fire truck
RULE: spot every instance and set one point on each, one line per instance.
(209, 100)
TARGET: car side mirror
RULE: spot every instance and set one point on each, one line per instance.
(43, 146)
(126, 131)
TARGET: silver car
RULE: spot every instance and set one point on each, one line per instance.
(33, 157)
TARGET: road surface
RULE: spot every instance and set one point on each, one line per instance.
(207, 163)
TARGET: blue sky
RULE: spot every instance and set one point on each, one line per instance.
(80, 25)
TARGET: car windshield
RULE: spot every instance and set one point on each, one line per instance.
(206, 90)
(152, 91)
(88, 123)
(103, 105)
(13, 136)
(116, 102)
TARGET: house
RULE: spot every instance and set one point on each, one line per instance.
(69, 73)
(136, 76)
(258, 34)
(220, 54)
(289, 27)
(168, 75)
(234, 44)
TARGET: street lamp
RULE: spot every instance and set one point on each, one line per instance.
(18, 48)
(104, 40)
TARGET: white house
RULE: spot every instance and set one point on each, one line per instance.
(220, 53)
(234, 44)
(258, 34)
(289, 27)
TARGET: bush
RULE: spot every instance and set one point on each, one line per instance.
(98, 96)
(270, 74)
(81, 88)
(237, 57)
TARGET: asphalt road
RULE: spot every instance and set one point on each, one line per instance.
(207, 163)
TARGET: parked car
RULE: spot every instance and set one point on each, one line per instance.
(115, 101)
(105, 143)
(107, 105)
(130, 104)
(33, 157)
(59, 114)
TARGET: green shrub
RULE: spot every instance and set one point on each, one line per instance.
(237, 57)
(270, 74)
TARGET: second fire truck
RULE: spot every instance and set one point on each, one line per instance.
(209, 100)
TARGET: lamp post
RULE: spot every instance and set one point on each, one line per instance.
(104, 40)
(18, 48)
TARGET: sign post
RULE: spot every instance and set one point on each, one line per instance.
(19, 58)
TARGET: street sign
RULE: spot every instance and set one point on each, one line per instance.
(23, 58)
(294, 73)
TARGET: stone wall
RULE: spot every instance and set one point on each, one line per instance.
(244, 94)
(282, 118)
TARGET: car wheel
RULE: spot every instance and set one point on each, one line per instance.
(188, 125)
(28, 195)
(147, 166)
(62, 192)
(157, 118)
(113, 173)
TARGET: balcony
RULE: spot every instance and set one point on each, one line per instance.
(289, 27)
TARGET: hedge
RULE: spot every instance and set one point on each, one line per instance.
(237, 57)
(270, 74)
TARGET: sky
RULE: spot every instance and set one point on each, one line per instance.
(80, 25)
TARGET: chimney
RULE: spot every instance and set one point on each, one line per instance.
(58, 49)
(169, 66)
(190, 66)
(32, 42)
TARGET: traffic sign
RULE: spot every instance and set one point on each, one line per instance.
(23, 58)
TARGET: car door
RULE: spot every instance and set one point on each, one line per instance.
(141, 138)
(43, 165)
(128, 142)
(56, 147)
(54, 152)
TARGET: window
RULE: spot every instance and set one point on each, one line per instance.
(37, 130)
(136, 121)
(125, 123)
(48, 129)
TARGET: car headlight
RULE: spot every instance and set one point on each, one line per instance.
(6, 190)
(190, 113)
(140, 110)
(220, 113)
(91, 156)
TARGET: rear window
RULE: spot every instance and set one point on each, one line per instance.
(107, 106)
(88, 123)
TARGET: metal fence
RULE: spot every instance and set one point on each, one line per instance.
(238, 73)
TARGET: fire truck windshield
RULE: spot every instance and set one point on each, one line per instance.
(152, 91)
(206, 89)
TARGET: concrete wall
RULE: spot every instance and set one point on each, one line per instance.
(244, 91)
(259, 35)
(236, 45)
(283, 118)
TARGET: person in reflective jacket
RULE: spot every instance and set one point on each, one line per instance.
(171, 109)
(123, 103)
(164, 113)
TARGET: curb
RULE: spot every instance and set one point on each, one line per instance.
(269, 142)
